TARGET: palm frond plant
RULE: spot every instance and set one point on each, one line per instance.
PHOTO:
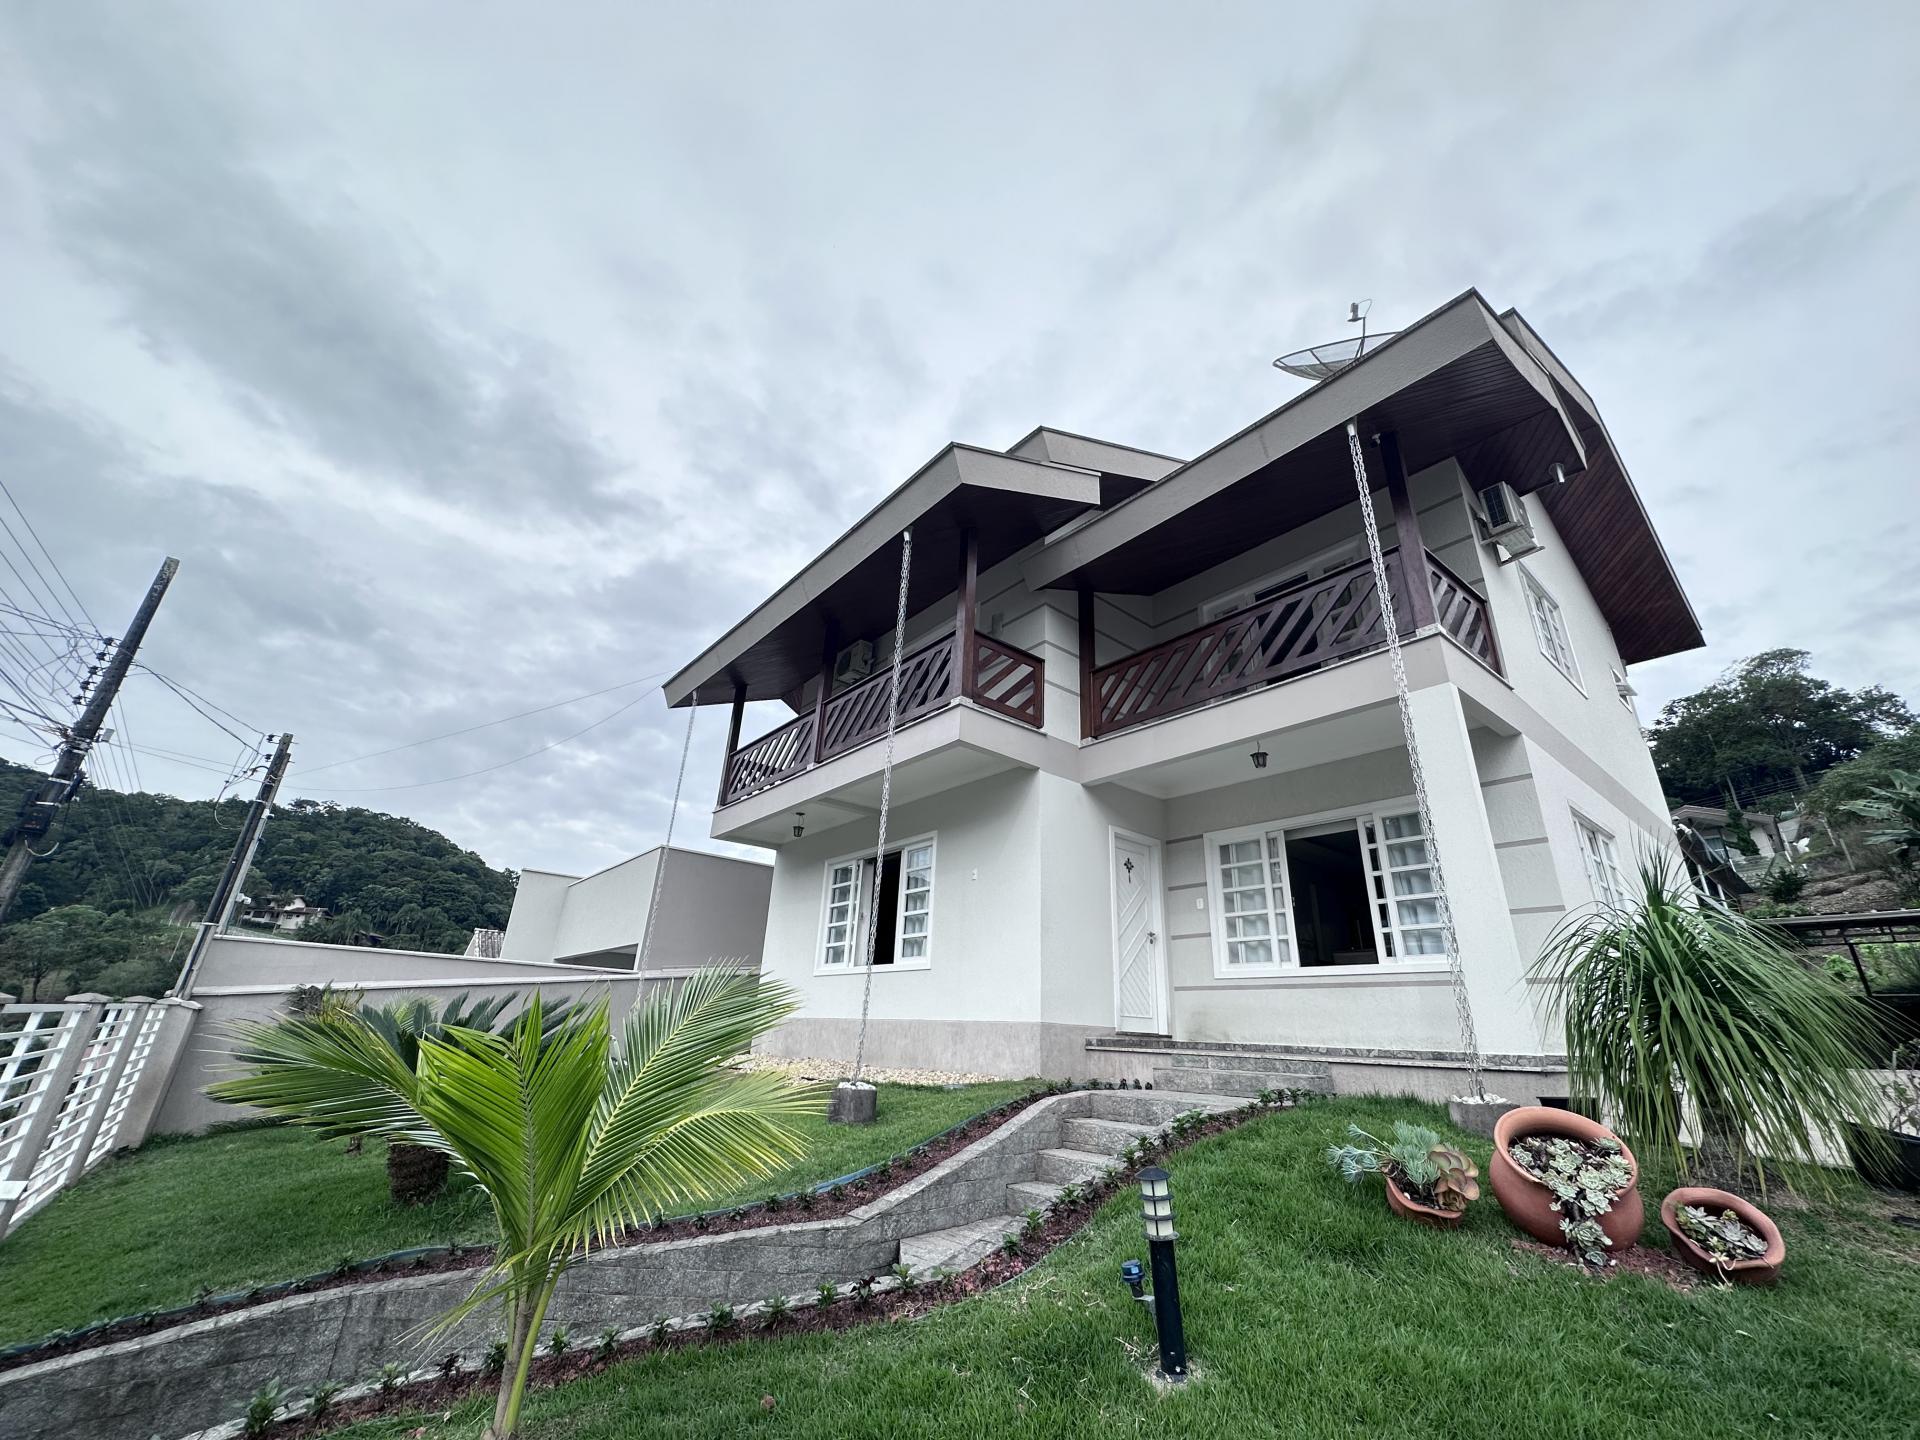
(571, 1142)
(1667, 1004)
(1895, 808)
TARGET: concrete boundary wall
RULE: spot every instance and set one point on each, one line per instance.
(203, 1373)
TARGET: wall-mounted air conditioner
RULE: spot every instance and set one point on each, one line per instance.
(853, 663)
(1503, 520)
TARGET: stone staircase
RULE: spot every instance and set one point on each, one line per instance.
(1086, 1146)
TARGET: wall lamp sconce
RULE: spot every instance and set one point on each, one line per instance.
(1259, 755)
(1156, 1215)
(799, 825)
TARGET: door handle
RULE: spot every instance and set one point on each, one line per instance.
(1153, 937)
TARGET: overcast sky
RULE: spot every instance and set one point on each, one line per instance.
(473, 357)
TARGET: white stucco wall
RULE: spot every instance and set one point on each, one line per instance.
(985, 960)
(711, 907)
(533, 924)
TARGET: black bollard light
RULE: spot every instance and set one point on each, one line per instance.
(1156, 1211)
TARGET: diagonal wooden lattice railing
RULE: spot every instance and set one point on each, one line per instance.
(1006, 680)
(1300, 629)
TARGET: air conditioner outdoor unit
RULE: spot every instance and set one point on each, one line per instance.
(853, 663)
(1504, 514)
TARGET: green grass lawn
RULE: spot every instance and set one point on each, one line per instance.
(1312, 1312)
(227, 1211)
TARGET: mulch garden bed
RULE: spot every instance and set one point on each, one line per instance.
(828, 1201)
(1661, 1265)
(851, 1307)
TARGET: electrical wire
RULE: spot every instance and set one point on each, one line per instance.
(469, 774)
(483, 725)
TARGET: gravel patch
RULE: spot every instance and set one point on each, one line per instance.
(812, 1068)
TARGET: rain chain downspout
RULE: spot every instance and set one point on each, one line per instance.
(1414, 567)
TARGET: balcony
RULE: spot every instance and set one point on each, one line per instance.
(1002, 679)
(1298, 630)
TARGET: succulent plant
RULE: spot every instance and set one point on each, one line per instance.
(1458, 1180)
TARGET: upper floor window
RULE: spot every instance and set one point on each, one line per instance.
(1325, 563)
(1603, 863)
(1550, 627)
(889, 904)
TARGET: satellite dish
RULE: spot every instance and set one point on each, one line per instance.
(1323, 362)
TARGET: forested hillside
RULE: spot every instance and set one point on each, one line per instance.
(124, 861)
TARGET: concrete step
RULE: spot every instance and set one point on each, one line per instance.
(1152, 1108)
(958, 1247)
(1069, 1167)
(1245, 1083)
(1102, 1137)
(1025, 1195)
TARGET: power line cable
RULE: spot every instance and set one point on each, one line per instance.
(483, 725)
(484, 770)
(4, 490)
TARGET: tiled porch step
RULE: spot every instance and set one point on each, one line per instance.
(1102, 1137)
(1069, 1167)
(1026, 1195)
(957, 1248)
(1240, 1082)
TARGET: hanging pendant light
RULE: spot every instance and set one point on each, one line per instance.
(1259, 755)
(799, 825)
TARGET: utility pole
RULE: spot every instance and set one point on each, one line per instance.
(227, 892)
(44, 805)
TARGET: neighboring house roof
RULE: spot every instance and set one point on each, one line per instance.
(1695, 849)
(1700, 815)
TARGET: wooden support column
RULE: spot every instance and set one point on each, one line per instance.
(966, 618)
(1086, 663)
(733, 738)
(829, 647)
(1416, 584)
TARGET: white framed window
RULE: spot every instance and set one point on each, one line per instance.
(1252, 929)
(889, 903)
(1550, 627)
(1338, 891)
(1406, 898)
(1602, 860)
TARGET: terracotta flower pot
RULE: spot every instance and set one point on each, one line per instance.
(1408, 1208)
(1529, 1204)
(1763, 1271)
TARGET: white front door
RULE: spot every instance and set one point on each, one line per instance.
(1139, 946)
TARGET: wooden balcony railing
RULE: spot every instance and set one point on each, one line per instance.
(1006, 680)
(1300, 629)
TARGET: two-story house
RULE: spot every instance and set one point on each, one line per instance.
(1152, 796)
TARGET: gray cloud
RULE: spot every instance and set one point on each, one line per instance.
(469, 377)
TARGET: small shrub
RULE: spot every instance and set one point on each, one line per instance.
(806, 1199)
(826, 1294)
(495, 1363)
(862, 1291)
(1011, 1245)
(1072, 1194)
(262, 1407)
(608, 1342)
(449, 1365)
(390, 1375)
(904, 1275)
(775, 1312)
(774, 1203)
(659, 1330)
(559, 1342)
(1785, 883)
(720, 1318)
(738, 1213)
(321, 1397)
(837, 1194)
(1031, 1224)
(343, 1267)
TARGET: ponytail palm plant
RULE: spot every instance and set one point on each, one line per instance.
(571, 1140)
(1668, 1003)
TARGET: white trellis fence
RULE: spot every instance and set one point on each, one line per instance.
(78, 1080)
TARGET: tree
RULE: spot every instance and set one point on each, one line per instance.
(570, 1141)
(1764, 725)
(76, 947)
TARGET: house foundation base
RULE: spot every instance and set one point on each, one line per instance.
(1013, 1050)
(1224, 1068)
